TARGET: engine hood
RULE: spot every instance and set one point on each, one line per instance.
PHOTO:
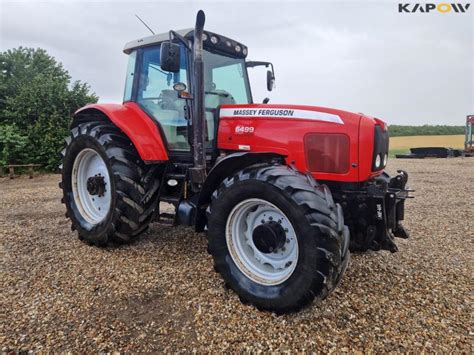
(288, 112)
(284, 129)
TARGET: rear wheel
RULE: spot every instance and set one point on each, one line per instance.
(110, 194)
(277, 238)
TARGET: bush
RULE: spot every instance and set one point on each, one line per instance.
(12, 145)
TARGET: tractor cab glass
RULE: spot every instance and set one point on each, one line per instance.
(225, 82)
(132, 58)
(158, 98)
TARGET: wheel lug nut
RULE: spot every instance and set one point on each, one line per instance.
(263, 221)
(270, 218)
(287, 240)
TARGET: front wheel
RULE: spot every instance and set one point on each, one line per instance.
(277, 238)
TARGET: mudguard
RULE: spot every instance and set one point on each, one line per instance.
(226, 167)
(136, 124)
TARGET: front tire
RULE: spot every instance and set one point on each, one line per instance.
(277, 238)
(110, 194)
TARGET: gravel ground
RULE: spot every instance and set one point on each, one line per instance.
(161, 293)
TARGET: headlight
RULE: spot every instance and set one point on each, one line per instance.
(204, 37)
(380, 152)
(237, 48)
(378, 160)
(214, 40)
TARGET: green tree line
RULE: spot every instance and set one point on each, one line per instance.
(425, 130)
(37, 100)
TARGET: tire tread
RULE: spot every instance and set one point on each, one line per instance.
(322, 215)
(136, 183)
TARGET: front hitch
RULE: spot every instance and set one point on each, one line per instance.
(387, 197)
(374, 212)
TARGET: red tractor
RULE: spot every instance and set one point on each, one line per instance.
(283, 191)
(468, 141)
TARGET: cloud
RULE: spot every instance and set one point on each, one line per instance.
(355, 55)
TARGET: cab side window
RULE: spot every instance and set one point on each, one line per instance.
(132, 59)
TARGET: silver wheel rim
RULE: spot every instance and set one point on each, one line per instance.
(263, 268)
(92, 207)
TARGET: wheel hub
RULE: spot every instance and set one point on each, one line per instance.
(96, 185)
(91, 186)
(262, 241)
(269, 237)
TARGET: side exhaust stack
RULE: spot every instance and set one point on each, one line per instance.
(198, 171)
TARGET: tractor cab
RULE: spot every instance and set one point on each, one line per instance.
(166, 96)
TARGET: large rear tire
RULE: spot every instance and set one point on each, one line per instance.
(277, 238)
(110, 194)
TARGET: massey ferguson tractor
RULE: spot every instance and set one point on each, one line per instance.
(282, 191)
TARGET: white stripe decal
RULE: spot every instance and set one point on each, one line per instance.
(280, 113)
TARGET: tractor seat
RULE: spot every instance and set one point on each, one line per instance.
(215, 98)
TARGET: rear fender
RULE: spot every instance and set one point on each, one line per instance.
(227, 167)
(134, 123)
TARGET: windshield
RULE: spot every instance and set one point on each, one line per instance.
(225, 80)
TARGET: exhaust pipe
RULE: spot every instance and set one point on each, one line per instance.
(199, 154)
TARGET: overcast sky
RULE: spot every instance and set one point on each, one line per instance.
(359, 56)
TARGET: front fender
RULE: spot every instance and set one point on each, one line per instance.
(134, 123)
(227, 167)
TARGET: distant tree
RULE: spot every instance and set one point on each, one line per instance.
(425, 130)
(37, 100)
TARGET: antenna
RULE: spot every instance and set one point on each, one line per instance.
(144, 23)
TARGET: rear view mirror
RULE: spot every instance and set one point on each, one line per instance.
(270, 80)
(170, 57)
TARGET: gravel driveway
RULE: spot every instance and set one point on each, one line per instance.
(161, 293)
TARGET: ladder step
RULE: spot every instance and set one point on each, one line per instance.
(175, 176)
(166, 219)
(170, 199)
(167, 215)
(166, 222)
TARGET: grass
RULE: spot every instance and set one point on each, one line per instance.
(400, 145)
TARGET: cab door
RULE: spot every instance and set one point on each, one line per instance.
(156, 96)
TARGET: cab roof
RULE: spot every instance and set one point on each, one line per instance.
(154, 39)
(212, 41)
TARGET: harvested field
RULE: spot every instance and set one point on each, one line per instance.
(161, 293)
(405, 143)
